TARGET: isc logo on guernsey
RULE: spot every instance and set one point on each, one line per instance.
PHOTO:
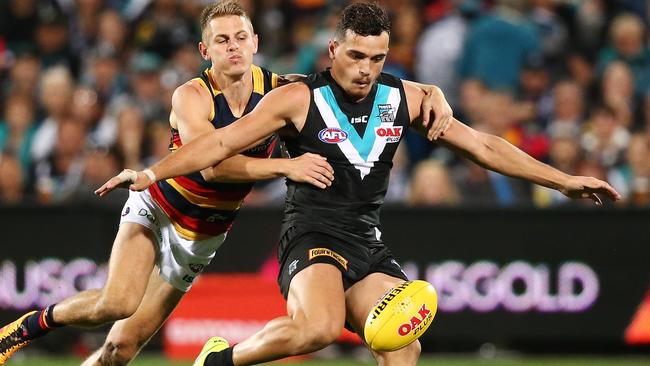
(332, 135)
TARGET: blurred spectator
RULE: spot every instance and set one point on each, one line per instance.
(55, 94)
(605, 139)
(628, 34)
(58, 176)
(112, 32)
(83, 22)
(590, 20)
(568, 110)
(497, 46)
(17, 19)
(632, 179)
(552, 31)
(51, 40)
(159, 137)
(88, 109)
(440, 47)
(17, 129)
(163, 29)
(130, 138)
(535, 83)
(472, 93)
(104, 74)
(12, 187)
(100, 165)
(146, 87)
(23, 76)
(405, 28)
(431, 185)
(618, 92)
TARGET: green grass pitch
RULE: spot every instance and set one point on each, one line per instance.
(147, 360)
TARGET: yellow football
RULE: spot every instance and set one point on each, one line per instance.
(401, 316)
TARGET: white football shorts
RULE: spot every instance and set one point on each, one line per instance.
(180, 260)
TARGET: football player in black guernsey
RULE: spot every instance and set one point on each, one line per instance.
(333, 263)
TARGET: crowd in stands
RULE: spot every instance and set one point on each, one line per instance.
(86, 90)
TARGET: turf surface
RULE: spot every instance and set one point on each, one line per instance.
(425, 361)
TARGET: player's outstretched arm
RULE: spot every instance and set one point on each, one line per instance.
(276, 110)
(434, 104)
(307, 168)
(494, 153)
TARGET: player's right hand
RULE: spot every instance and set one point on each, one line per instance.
(311, 168)
(135, 181)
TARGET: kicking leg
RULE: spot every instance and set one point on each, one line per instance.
(316, 314)
(127, 336)
(360, 299)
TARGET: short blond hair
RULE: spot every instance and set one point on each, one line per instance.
(221, 9)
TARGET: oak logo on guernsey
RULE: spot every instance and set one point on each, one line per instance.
(391, 134)
(332, 135)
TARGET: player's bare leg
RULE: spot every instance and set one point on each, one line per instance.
(360, 299)
(316, 314)
(127, 336)
(132, 259)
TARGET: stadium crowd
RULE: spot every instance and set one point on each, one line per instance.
(86, 89)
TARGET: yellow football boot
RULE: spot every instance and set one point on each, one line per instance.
(12, 338)
(214, 344)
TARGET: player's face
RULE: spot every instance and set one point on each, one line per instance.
(357, 61)
(229, 43)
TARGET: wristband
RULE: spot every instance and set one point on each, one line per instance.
(128, 175)
(150, 174)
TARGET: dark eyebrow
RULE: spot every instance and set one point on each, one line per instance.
(226, 36)
(363, 55)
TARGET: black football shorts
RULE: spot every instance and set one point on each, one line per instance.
(354, 258)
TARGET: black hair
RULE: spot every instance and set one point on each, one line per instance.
(364, 19)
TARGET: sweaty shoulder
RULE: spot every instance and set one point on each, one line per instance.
(194, 88)
(189, 101)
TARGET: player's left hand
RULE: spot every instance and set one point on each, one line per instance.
(135, 181)
(589, 187)
(434, 103)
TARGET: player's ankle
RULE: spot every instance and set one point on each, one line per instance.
(40, 323)
(221, 358)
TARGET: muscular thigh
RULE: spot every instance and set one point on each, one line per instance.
(316, 296)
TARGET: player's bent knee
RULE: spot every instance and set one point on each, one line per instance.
(318, 337)
(118, 353)
(107, 310)
(408, 355)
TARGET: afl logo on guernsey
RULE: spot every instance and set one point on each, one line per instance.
(332, 135)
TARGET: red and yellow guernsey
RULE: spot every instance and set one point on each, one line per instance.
(199, 209)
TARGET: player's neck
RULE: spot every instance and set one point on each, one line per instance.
(236, 88)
